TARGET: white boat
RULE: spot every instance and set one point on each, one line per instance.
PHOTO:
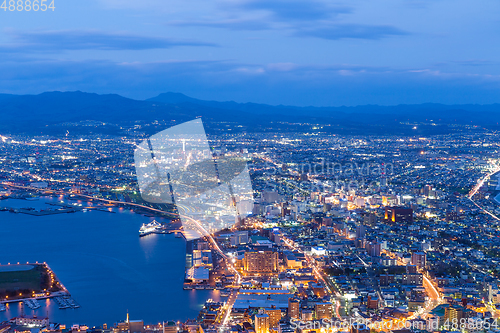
(2, 307)
(150, 228)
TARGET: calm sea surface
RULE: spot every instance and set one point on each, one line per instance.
(101, 260)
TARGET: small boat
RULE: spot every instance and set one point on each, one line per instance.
(2, 307)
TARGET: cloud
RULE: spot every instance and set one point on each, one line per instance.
(298, 18)
(230, 24)
(278, 83)
(282, 66)
(475, 62)
(296, 10)
(268, 14)
(349, 30)
(61, 40)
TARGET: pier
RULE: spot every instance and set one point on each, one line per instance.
(31, 301)
(62, 209)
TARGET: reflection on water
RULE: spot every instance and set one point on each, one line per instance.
(102, 261)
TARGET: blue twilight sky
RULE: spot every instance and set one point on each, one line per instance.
(296, 52)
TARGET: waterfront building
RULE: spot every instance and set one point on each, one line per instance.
(136, 326)
(30, 321)
(202, 258)
(170, 327)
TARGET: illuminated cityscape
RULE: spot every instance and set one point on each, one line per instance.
(249, 166)
(381, 231)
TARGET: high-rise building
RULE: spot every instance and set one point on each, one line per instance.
(323, 310)
(374, 249)
(257, 262)
(274, 316)
(418, 259)
(293, 308)
(370, 219)
(454, 312)
(202, 258)
(427, 189)
(398, 214)
(360, 231)
(285, 209)
(261, 323)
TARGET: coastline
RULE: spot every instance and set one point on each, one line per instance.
(103, 252)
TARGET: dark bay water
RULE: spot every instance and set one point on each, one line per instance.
(101, 260)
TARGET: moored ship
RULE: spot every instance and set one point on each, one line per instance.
(150, 228)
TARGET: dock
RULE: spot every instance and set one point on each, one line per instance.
(66, 302)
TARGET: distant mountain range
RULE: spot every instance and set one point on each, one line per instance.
(53, 112)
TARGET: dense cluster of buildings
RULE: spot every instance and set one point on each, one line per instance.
(366, 230)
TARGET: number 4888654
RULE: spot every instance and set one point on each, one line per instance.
(27, 5)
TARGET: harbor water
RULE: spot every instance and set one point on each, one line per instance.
(100, 258)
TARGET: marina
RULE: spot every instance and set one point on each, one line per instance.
(66, 302)
(54, 208)
(32, 303)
